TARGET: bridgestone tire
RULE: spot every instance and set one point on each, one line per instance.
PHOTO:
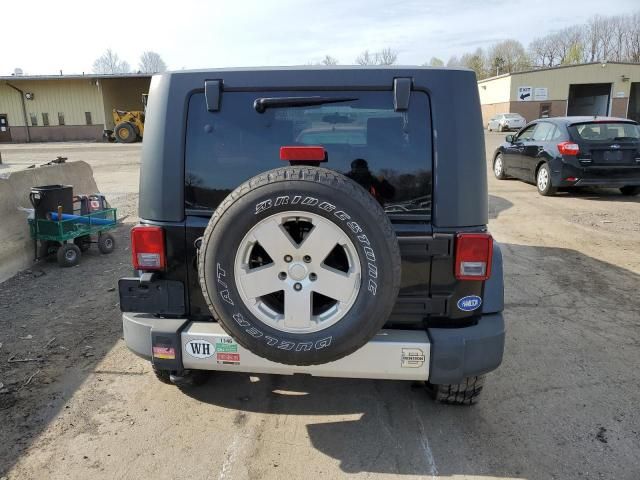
(465, 393)
(332, 197)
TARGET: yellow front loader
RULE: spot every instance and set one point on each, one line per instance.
(129, 125)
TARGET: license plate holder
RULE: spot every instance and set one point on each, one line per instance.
(165, 297)
(612, 156)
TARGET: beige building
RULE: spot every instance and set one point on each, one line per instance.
(69, 107)
(610, 88)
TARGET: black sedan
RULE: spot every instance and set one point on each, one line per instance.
(565, 152)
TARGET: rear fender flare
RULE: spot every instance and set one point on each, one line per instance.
(493, 296)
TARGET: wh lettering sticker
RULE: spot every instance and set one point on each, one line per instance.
(200, 349)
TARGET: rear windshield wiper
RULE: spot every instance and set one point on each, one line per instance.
(261, 104)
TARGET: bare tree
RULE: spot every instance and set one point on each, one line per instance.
(386, 56)
(453, 61)
(366, 58)
(544, 52)
(569, 44)
(476, 62)
(109, 62)
(329, 60)
(151, 62)
(633, 39)
(506, 57)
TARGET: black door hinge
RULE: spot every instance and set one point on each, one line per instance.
(212, 93)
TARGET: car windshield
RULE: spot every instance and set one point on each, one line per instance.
(512, 115)
(607, 131)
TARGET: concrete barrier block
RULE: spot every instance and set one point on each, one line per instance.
(16, 247)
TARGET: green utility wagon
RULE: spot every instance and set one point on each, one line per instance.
(70, 235)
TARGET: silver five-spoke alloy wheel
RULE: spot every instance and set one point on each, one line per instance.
(297, 286)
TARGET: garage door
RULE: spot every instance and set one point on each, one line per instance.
(589, 99)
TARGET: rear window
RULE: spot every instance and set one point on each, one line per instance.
(512, 115)
(387, 152)
(606, 131)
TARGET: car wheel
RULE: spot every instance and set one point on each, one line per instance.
(543, 181)
(498, 167)
(106, 243)
(68, 255)
(300, 265)
(488, 127)
(630, 191)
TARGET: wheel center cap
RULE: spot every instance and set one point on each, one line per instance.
(297, 271)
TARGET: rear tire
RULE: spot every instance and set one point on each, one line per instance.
(630, 191)
(125, 133)
(69, 255)
(498, 167)
(543, 181)
(465, 393)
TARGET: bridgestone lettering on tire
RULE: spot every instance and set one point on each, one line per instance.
(300, 265)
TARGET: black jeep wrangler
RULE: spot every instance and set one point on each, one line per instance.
(323, 221)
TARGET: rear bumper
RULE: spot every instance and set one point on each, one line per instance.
(607, 182)
(595, 176)
(442, 356)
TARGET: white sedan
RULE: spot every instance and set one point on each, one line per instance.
(506, 121)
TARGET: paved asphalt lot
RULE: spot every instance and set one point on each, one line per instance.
(563, 405)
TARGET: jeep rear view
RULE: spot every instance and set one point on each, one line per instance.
(322, 221)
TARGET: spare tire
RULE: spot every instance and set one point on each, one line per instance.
(300, 265)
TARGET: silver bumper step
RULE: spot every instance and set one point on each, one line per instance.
(390, 355)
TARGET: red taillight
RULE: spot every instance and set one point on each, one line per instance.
(304, 154)
(568, 148)
(473, 256)
(147, 248)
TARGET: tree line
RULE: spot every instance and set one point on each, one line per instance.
(111, 63)
(601, 39)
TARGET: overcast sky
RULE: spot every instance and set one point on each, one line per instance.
(45, 36)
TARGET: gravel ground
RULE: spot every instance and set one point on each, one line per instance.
(563, 404)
